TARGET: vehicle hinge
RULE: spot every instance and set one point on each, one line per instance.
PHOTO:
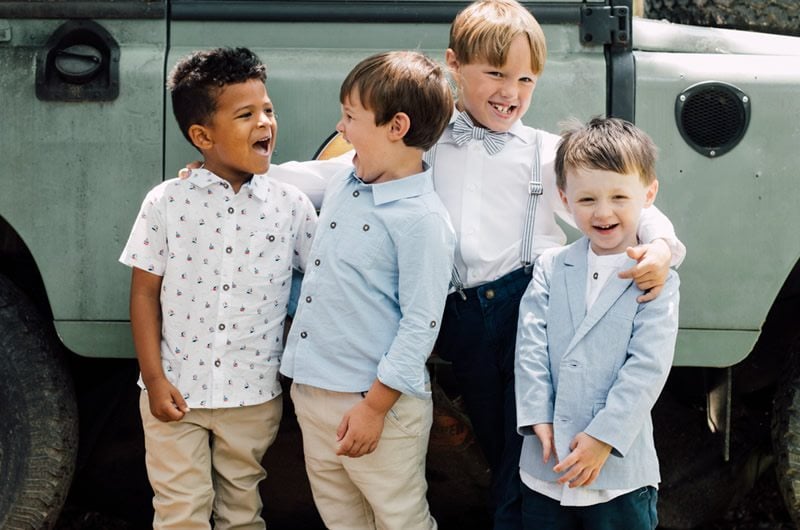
(603, 25)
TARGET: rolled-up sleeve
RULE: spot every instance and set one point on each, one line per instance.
(425, 262)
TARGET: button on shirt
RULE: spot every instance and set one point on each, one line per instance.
(226, 260)
(374, 292)
(487, 197)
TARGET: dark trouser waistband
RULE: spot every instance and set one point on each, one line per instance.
(512, 284)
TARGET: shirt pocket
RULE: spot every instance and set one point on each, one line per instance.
(365, 247)
(269, 253)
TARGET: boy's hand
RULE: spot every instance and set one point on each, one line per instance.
(584, 463)
(652, 268)
(544, 431)
(166, 403)
(184, 172)
(359, 431)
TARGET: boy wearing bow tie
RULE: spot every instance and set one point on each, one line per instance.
(495, 177)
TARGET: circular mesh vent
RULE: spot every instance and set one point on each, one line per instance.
(712, 117)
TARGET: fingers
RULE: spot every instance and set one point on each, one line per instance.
(341, 430)
(179, 402)
(650, 294)
(636, 252)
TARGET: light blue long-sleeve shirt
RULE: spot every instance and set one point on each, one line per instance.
(375, 287)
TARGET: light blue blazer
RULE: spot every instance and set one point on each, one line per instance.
(599, 373)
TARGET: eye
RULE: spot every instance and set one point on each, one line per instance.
(245, 114)
(620, 197)
(528, 80)
(269, 111)
(495, 74)
(585, 200)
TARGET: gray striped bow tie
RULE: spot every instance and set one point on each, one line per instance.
(464, 130)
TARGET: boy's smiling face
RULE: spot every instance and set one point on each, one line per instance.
(495, 97)
(607, 205)
(240, 137)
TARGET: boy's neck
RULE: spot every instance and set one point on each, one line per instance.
(404, 164)
(235, 179)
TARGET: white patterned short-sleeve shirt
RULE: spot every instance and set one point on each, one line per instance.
(226, 263)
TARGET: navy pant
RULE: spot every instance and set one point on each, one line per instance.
(633, 511)
(478, 336)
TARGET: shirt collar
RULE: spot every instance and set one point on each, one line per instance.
(203, 178)
(518, 129)
(403, 188)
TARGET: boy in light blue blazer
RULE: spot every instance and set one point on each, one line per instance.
(590, 359)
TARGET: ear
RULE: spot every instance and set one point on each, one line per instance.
(650, 196)
(451, 61)
(201, 136)
(563, 197)
(399, 126)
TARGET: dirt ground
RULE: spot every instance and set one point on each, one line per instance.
(110, 490)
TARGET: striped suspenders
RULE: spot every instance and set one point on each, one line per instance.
(534, 192)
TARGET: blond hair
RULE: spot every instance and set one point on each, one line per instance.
(483, 31)
(608, 144)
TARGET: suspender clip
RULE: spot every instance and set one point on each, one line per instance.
(462, 294)
(535, 188)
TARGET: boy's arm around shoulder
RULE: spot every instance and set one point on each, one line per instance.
(653, 225)
(425, 263)
(643, 374)
(305, 227)
(533, 381)
(311, 176)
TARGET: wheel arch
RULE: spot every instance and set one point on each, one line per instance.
(778, 346)
(18, 265)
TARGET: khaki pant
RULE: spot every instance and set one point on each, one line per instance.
(209, 462)
(385, 489)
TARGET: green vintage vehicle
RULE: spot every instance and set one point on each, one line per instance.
(86, 130)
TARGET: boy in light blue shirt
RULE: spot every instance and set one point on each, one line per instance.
(371, 302)
(591, 360)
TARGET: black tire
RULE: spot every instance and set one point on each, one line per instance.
(772, 16)
(39, 437)
(786, 442)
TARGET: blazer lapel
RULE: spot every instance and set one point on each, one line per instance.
(575, 281)
(609, 294)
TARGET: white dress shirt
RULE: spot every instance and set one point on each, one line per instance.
(487, 197)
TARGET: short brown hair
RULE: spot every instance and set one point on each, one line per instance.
(609, 144)
(403, 81)
(484, 30)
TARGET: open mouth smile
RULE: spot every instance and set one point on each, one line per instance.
(263, 145)
(503, 109)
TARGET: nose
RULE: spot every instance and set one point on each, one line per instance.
(265, 119)
(340, 127)
(603, 210)
(508, 88)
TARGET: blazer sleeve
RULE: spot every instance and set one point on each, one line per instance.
(644, 372)
(534, 386)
